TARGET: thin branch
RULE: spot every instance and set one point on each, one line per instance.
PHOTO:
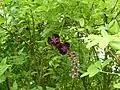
(118, 74)
(113, 55)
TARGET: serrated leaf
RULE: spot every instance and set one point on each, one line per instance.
(117, 85)
(84, 74)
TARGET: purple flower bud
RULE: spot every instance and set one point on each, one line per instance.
(63, 47)
(54, 40)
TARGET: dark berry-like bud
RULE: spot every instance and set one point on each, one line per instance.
(54, 40)
(63, 47)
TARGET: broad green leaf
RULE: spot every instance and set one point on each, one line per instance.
(82, 22)
(84, 74)
(104, 33)
(92, 70)
(106, 62)
(90, 44)
(117, 85)
(103, 42)
(2, 19)
(98, 64)
(115, 45)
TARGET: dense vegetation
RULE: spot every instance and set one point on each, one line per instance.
(59, 44)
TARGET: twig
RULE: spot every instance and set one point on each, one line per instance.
(118, 74)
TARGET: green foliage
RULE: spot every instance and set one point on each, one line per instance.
(28, 62)
(117, 85)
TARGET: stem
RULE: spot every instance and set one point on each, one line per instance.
(7, 84)
(113, 55)
(32, 47)
(118, 74)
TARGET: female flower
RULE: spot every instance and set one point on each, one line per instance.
(63, 47)
(54, 40)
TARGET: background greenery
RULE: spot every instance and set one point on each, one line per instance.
(28, 62)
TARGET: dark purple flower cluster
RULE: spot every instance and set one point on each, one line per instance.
(54, 40)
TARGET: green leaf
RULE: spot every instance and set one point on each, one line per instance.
(115, 45)
(80, 29)
(84, 74)
(39, 87)
(2, 19)
(93, 70)
(50, 88)
(90, 44)
(111, 23)
(104, 33)
(3, 68)
(7, 1)
(98, 64)
(3, 62)
(103, 42)
(106, 62)
(2, 78)
(117, 85)
(15, 86)
(82, 22)
(114, 28)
